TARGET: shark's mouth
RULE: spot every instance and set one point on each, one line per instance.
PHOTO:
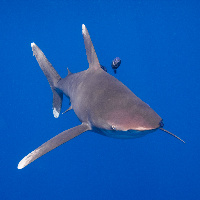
(129, 134)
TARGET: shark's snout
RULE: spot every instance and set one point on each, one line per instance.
(124, 120)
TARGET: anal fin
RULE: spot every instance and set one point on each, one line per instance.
(70, 108)
(53, 143)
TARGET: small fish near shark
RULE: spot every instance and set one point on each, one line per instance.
(115, 64)
(101, 102)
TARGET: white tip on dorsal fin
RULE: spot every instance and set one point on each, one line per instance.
(68, 71)
(90, 52)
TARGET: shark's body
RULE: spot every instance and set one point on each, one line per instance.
(101, 102)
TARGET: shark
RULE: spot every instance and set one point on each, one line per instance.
(101, 102)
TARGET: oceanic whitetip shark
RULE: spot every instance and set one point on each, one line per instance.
(101, 102)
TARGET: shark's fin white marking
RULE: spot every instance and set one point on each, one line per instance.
(52, 76)
(55, 113)
(90, 51)
(33, 44)
(53, 143)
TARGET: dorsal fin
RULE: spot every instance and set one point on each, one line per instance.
(68, 71)
(90, 52)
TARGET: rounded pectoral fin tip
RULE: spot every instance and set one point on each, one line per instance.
(24, 162)
(20, 165)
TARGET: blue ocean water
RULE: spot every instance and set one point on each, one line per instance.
(159, 45)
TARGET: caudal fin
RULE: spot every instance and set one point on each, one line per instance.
(52, 76)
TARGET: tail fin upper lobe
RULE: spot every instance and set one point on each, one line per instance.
(52, 76)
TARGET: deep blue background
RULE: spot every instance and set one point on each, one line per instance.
(159, 44)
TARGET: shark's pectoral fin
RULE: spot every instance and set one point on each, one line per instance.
(53, 143)
(91, 54)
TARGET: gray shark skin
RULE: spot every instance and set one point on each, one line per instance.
(102, 103)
